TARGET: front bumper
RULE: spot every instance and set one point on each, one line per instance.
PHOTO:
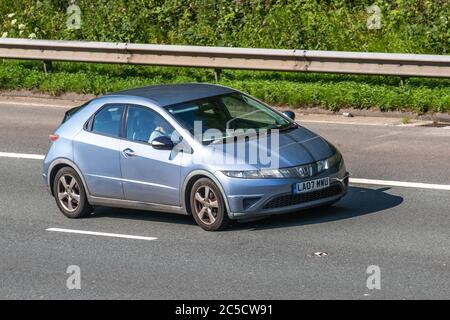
(249, 198)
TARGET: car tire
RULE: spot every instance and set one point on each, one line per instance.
(208, 206)
(70, 195)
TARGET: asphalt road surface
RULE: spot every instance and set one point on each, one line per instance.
(405, 231)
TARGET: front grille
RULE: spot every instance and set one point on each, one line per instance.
(290, 200)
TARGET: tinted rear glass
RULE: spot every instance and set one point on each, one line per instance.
(108, 119)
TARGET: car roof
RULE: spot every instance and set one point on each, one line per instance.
(170, 94)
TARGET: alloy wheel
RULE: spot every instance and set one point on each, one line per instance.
(68, 192)
(206, 205)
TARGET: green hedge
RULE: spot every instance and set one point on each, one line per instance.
(412, 26)
(296, 90)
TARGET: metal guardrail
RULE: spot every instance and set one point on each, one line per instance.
(403, 65)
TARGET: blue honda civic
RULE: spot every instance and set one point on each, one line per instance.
(196, 149)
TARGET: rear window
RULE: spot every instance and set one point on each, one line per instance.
(107, 121)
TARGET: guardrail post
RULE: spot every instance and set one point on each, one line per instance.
(217, 73)
(48, 66)
(403, 81)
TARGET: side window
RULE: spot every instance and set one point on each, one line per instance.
(107, 120)
(144, 125)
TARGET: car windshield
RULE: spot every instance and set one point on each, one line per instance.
(226, 114)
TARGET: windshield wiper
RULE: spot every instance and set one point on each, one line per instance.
(233, 136)
(288, 126)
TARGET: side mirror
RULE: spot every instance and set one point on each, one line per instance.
(289, 114)
(162, 143)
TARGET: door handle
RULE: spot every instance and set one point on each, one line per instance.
(128, 153)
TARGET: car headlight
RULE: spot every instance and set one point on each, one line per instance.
(302, 171)
(328, 163)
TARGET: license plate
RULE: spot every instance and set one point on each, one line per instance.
(311, 185)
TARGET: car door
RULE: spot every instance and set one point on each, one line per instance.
(148, 174)
(97, 152)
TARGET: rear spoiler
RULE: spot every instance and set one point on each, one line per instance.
(69, 113)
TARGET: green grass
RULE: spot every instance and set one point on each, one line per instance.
(293, 89)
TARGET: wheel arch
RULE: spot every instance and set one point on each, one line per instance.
(189, 182)
(57, 165)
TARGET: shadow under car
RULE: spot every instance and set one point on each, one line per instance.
(358, 201)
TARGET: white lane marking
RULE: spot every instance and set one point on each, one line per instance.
(32, 104)
(418, 185)
(350, 123)
(394, 123)
(103, 234)
(22, 155)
